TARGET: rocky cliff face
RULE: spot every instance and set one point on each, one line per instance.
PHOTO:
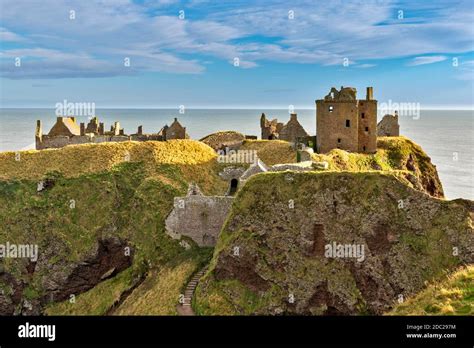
(332, 243)
(63, 278)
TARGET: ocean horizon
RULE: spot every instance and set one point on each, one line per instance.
(447, 136)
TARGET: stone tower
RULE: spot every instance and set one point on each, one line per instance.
(345, 122)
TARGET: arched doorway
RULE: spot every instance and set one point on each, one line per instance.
(233, 186)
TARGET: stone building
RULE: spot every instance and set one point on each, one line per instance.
(291, 132)
(388, 126)
(345, 122)
(67, 132)
(175, 131)
(65, 126)
(198, 217)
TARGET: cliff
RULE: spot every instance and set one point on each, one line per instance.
(272, 256)
(396, 155)
(98, 222)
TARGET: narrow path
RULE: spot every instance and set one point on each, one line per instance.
(185, 308)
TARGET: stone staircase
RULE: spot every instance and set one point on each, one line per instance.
(185, 308)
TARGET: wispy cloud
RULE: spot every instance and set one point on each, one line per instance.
(8, 36)
(426, 60)
(466, 71)
(155, 39)
(365, 66)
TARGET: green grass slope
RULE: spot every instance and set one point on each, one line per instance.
(453, 295)
(128, 200)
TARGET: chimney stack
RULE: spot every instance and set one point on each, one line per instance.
(370, 93)
(83, 128)
(39, 130)
(140, 130)
(101, 128)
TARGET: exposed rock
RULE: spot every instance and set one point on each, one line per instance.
(282, 246)
(63, 278)
(77, 278)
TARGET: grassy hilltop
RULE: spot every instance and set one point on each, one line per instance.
(102, 198)
(113, 199)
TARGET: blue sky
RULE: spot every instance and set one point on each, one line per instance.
(289, 52)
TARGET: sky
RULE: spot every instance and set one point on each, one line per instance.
(234, 54)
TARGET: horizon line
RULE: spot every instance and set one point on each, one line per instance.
(432, 107)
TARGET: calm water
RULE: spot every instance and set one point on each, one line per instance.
(447, 136)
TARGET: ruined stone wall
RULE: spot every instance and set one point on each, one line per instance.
(52, 142)
(388, 126)
(331, 130)
(198, 217)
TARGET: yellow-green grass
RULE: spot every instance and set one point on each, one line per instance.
(125, 199)
(271, 151)
(217, 139)
(392, 154)
(75, 160)
(453, 295)
(159, 293)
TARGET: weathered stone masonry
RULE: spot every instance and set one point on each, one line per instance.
(198, 217)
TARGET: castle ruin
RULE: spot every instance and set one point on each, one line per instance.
(67, 132)
(345, 122)
(388, 126)
(291, 132)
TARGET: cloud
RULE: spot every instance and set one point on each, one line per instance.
(365, 66)
(155, 39)
(8, 36)
(465, 71)
(426, 60)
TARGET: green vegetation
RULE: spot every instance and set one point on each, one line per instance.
(128, 200)
(397, 155)
(271, 151)
(360, 207)
(126, 190)
(159, 293)
(96, 301)
(453, 295)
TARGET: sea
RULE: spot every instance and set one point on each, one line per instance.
(447, 136)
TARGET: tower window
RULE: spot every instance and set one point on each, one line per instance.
(331, 108)
(339, 140)
(362, 115)
(366, 129)
(363, 148)
(348, 123)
